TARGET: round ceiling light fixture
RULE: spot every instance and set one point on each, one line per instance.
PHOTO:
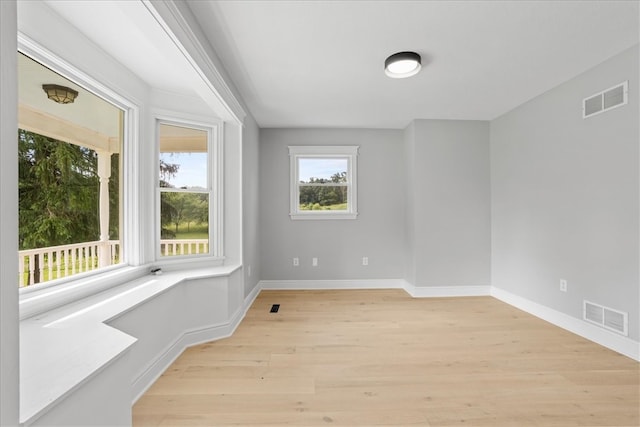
(60, 94)
(402, 64)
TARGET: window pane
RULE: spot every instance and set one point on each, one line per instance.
(317, 170)
(69, 158)
(323, 197)
(184, 219)
(183, 157)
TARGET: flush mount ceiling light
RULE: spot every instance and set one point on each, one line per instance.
(402, 64)
(60, 94)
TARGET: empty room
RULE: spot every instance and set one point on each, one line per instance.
(313, 213)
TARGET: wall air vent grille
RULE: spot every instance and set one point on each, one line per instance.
(606, 100)
(607, 318)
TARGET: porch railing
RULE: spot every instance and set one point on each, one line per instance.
(169, 247)
(54, 262)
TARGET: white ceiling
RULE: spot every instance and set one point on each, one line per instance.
(320, 63)
(130, 34)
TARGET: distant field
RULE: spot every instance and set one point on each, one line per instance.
(317, 207)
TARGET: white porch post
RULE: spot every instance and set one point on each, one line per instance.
(104, 173)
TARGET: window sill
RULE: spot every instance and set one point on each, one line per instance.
(77, 341)
(322, 215)
(42, 298)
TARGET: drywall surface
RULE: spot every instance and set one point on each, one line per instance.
(9, 340)
(449, 210)
(409, 211)
(565, 196)
(250, 205)
(339, 245)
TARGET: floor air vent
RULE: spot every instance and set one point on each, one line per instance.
(605, 100)
(608, 318)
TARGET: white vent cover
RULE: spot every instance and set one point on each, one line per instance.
(608, 318)
(606, 100)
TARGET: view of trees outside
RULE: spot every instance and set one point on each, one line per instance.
(59, 194)
(183, 215)
(184, 197)
(326, 181)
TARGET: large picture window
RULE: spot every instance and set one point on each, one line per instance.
(186, 190)
(323, 182)
(70, 156)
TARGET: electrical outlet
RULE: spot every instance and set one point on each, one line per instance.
(249, 271)
(365, 260)
(314, 262)
(296, 262)
(563, 285)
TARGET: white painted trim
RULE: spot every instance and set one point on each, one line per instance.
(331, 284)
(214, 189)
(348, 152)
(177, 27)
(613, 341)
(447, 291)
(188, 339)
(414, 291)
(130, 197)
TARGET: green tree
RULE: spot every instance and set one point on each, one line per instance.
(167, 210)
(177, 208)
(58, 192)
(185, 208)
(318, 197)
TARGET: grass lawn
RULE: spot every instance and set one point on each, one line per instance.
(317, 207)
(194, 231)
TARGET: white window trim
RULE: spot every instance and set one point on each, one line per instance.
(131, 187)
(215, 185)
(350, 152)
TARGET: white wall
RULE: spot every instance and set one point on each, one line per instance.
(449, 203)
(9, 356)
(339, 245)
(250, 205)
(409, 141)
(565, 202)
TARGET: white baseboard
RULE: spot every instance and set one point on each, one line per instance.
(611, 340)
(331, 284)
(414, 291)
(447, 291)
(188, 339)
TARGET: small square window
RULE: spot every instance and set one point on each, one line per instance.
(323, 182)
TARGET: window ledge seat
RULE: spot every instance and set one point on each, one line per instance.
(61, 349)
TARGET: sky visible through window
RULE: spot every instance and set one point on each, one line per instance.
(192, 171)
(320, 168)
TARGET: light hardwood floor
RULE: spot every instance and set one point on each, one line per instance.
(380, 357)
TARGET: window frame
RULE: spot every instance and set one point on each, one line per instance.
(348, 152)
(214, 190)
(130, 180)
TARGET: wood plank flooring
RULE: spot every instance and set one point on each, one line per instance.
(380, 357)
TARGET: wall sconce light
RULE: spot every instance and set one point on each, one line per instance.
(60, 94)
